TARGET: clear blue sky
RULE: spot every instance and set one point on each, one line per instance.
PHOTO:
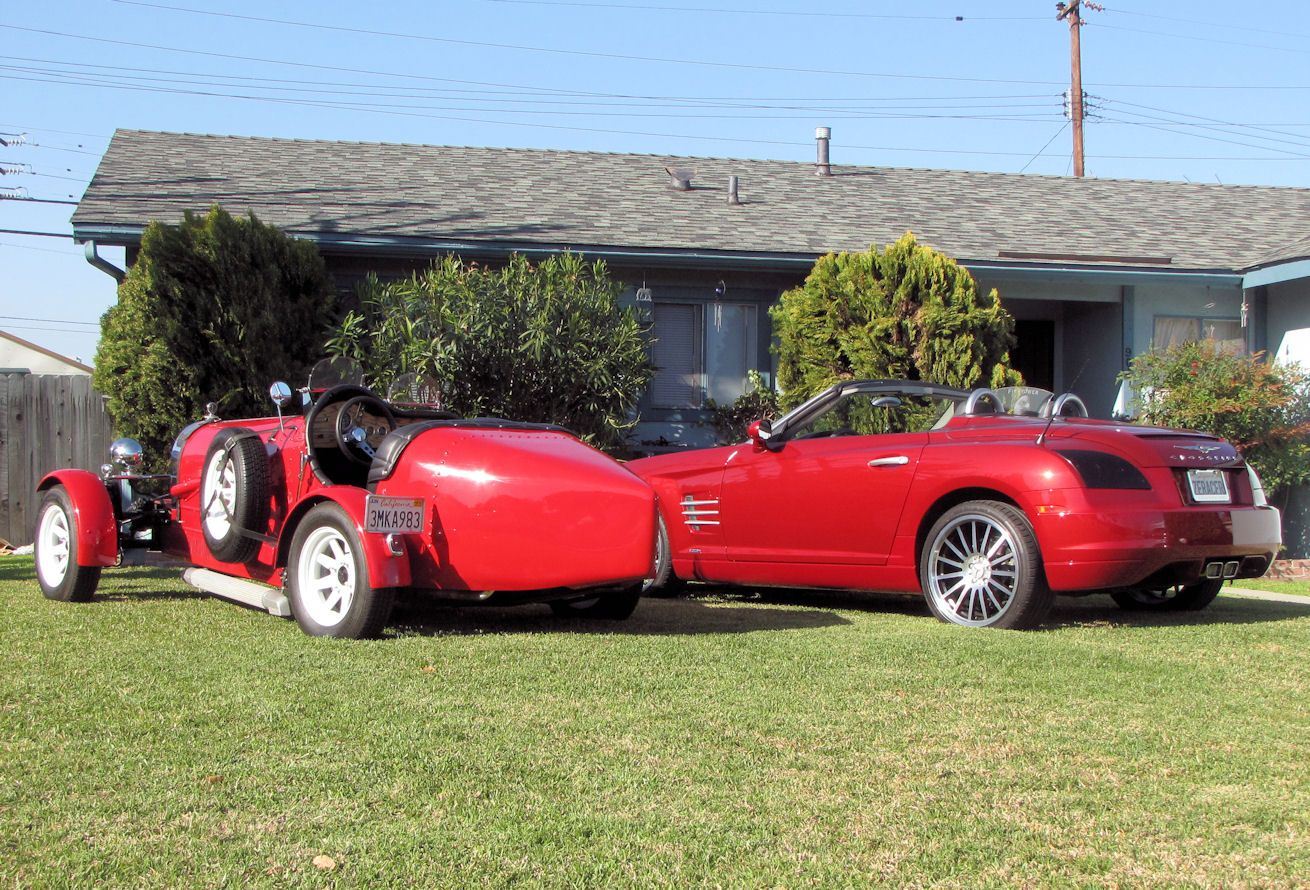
(1204, 91)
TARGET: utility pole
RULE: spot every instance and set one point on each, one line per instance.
(1071, 12)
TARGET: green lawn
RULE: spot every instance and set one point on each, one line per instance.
(1298, 588)
(155, 737)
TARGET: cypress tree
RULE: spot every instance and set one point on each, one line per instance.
(906, 312)
(213, 310)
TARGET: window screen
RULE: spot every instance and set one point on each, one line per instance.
(676, 356)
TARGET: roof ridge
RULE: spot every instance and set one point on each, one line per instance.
(1070, 182)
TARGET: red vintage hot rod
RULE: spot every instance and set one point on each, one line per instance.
(327, 514)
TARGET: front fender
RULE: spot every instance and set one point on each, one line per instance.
(93, 511)
(385, 569)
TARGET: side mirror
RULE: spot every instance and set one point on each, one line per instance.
(280, 393)
(760, 431)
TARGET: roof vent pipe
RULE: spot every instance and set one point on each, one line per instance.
(679, 180)
(822, 136)
(733, 197)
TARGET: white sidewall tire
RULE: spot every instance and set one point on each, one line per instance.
(55, 551)
(327, 578)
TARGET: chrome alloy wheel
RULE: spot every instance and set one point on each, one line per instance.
(326, 576)
(219, 494)
(53, 546)
(973, 570)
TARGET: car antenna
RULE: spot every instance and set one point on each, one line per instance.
(1046, 429)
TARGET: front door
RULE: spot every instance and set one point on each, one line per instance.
(833, 500)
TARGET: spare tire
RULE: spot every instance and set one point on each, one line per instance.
(234, 494)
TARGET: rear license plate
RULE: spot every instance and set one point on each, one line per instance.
(1209, 486)
(400, 515)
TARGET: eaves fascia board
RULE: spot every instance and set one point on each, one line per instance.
(1072, 272)
(408, 246)
(1276, 273)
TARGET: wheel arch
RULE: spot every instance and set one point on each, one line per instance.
(954, 499)
(385, 569)
(93, 511)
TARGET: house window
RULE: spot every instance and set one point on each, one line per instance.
(1172, 330)
(703, 350)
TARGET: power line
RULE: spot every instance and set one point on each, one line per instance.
(1199, 39)
(1000, 111)
(482, 44)
(23, 327)
(94, 324)
(767, 12)
(38, 200)
(1042, 150)
(519, 90)
(62, 132)
(1227, 26)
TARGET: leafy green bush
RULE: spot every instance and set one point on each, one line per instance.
(906, 312)
(212, 310)
(759, 401)
(1262, 408)
(540, 343)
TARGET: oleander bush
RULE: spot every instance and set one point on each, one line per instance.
(1262, 407)
(546, 342)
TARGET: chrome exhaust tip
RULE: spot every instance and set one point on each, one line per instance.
(1214, 570)
(1230, 569)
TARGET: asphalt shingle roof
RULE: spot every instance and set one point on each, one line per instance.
(586, 199)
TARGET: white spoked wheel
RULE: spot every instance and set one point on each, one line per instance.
(53, 545)
(219, 494)
(327, 576)
(981, 567)
(973, 570)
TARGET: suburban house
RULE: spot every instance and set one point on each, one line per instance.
(1094, 271)
(18, 356)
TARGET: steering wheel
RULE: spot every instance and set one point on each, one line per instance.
(358, 441)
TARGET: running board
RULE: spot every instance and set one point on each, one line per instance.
(240, 590)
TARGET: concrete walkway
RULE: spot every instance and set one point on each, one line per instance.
(1243, 593)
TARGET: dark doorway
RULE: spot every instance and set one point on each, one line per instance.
(1033, 355)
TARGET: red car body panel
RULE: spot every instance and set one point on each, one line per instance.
(852, 511)
(523, 509)
(506, 510)
(97, 540)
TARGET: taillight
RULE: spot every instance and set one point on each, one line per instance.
(1101, 470)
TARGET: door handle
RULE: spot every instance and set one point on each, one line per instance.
(899, 460)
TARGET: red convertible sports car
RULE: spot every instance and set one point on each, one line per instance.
(987, 502)
(326, 515)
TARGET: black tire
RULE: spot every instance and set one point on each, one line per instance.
(664, 582)
(239, 503)
(1178, 598)
(61, 578)
(363, 610)
(616, 605)
(1001, 581)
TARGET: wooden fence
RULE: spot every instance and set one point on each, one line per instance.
(47, 421)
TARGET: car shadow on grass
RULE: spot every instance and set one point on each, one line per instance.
(654, 617)
(1068, 611)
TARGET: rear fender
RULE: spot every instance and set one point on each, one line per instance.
(385, 569)
(93, 511)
